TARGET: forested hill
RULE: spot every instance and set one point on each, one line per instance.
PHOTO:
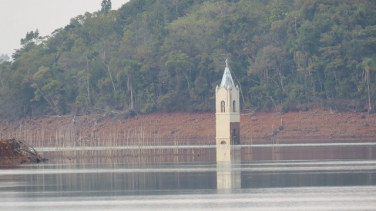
(168, 55)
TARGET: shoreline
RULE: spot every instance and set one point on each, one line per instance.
(318, 125)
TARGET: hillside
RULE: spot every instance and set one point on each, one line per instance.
(168, 56)
(313, 125)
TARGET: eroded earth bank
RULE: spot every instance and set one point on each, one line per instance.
(315, 124)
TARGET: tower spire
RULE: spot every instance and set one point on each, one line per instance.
(227, 81)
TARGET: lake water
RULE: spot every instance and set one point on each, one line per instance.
(261, 177)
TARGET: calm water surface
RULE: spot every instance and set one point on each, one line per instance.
(290, 177)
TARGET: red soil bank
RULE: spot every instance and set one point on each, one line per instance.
(315, 124)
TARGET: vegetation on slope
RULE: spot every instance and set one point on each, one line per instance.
(169, 55)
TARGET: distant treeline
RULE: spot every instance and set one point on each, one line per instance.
(168, 55)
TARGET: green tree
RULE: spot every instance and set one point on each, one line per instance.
(106, 6)
(48, 88)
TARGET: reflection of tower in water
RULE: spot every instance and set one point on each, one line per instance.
(228, 168)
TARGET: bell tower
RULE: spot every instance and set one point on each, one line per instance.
(227, 110)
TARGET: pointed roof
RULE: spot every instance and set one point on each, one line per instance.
(227, 81)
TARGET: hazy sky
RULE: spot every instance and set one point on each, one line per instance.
(20, 16)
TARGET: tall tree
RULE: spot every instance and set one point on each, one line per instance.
(368, 64)
(106, 6)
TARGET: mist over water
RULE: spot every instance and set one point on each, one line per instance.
(291, 177)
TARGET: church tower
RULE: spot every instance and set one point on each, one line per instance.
(227, 110)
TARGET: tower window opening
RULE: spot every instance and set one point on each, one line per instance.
(233, 138)
(222, 106)
(233, 106)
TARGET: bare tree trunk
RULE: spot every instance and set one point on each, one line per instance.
(130, 87)
(132, 98)
(109, 72)
(107, 66)
(87, 79)
(369, 100)
(240, 87)
(52, 105)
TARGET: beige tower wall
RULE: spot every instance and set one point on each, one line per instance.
(228, 120)
(222, 129)
(228, 96)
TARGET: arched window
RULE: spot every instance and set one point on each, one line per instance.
(223, 106)
(233, 106)
(223, 142)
